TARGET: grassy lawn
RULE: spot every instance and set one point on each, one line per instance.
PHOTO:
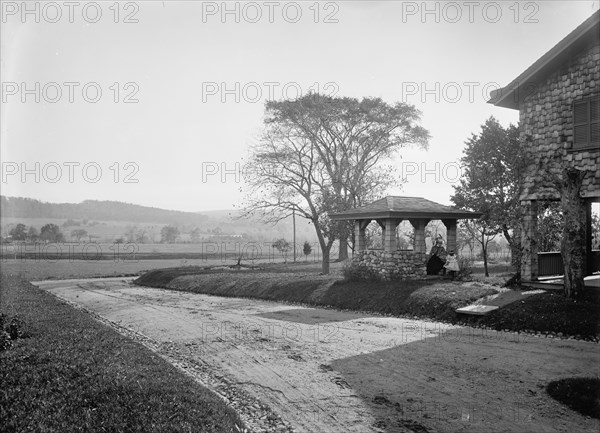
(427, 299)
(581, 394)
(424, 298)
(71, 373)
(547, 313)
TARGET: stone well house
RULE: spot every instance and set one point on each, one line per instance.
(558, 99)
(390, 262)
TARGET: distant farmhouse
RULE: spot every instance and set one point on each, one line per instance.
(559, 109)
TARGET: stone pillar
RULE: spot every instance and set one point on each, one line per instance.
(589, 262)
(529, 241)
(450, 235)
(389, 235)
(419, 227)
(359, 232)
(382, 225)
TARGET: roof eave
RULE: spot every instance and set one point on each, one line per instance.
(505, 97)
(405, 215)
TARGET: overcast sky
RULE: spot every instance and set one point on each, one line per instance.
(180, 66)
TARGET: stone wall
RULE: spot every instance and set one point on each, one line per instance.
(399, 265)
(546, 117)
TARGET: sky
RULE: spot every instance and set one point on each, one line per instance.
(156, 103)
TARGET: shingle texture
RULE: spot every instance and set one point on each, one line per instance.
(405, 207)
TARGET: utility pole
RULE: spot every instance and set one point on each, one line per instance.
(294, 225)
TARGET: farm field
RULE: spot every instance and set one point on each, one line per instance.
(62, 269)
(226, 252)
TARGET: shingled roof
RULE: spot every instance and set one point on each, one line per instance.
(525, 84)
(404, 207)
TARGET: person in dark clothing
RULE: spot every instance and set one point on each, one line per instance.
(437, 257)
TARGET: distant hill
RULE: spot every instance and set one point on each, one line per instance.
(21, 207)
(119, 214)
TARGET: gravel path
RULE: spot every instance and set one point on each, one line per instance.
(290, 368)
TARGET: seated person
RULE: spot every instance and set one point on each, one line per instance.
(437, 257)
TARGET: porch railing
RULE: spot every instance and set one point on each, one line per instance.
(552, 264)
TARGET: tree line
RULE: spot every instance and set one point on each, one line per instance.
(48, 233)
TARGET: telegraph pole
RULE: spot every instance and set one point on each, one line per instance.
(294, 225)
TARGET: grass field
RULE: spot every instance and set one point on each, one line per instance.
(63, 269)
(31, 269)
(250, 252)
(72, 374)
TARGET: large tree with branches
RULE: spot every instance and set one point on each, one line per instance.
(321, 154)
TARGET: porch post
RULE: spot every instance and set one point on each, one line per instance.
(419, 227)
(589, 262)
(359, 231)
(450, 234)
(389, 235)
(529, 241)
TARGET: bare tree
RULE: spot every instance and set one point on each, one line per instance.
(287, 176)
(348, 141)
(483, 233)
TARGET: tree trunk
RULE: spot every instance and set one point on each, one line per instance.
(343, 253)
(325, 262)
(484, 253)
(573, 239)
(325, 248)
(514, 242)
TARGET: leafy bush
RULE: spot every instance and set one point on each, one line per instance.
(465, 265)
(15, 328)
(356, 272)
(10, 329)
(5, 341)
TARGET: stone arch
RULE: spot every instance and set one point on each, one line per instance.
(434, 228)
(374, 236)
(405, 236)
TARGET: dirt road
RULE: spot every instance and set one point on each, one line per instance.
(328, 371)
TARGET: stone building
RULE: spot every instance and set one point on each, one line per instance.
(559, 111)
(389, 212)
